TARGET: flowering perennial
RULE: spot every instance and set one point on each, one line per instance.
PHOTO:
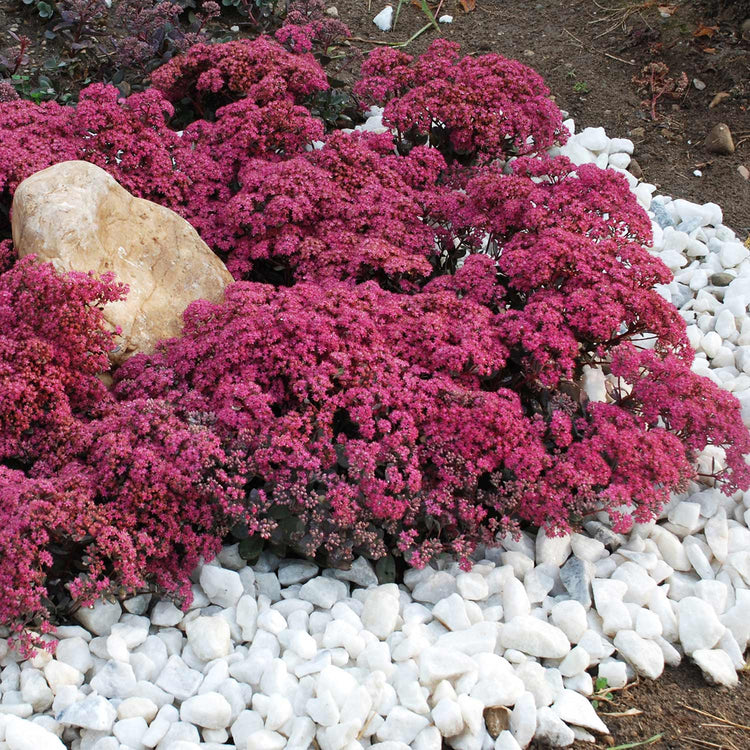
(397, 367)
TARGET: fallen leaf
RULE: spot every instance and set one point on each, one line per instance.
(718, 99)
(704, 30)
(468, 5)
(666, 10)
(709, 50)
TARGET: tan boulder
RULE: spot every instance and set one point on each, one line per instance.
(75, 215)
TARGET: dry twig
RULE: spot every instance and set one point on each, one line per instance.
(724, 721)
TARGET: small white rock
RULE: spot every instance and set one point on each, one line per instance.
(384, 19)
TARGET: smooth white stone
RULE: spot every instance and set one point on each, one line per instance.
(515, 599)
(645, 656)
(737, 618)
(35, 690)
(436, 585)
(156, 732)
(272, 621)
(672, 657)
(552, 730)
(594, 139)
(178, 679)
(280, 711)
(166, 614)
(179, 731)
(732, 254)
(384, 19)
(520, 563)
(575, 662)
(570, 617)
(59, 674)
(436, 664)
(534, 677)
(247, 616)
(715, 593)
(99, 618)
(523, 719)
(716, 666)
(639, 584)
(93, 712)
(451, 611)
(620, 145)
(671, 549)
(338, 681)
(265, 740)
(648, 624)
(614, 672)
(472, 586)
(323, 592)
(552, 550)
(698, 559)
(477, 639)
(246, 723)
(210, 710)
(131, 708)
(492, 692)
(699, 626)
(686, 514)
(222, 587)
(296, 571)
(75, 652)
(575, 708)
(323, 710)
(619, 160)
(130, 732)
(537, 584)
(380, 612)
(412, 695)
(711, 343)
(725, 324)
(587, 548)
(209, 637)
(448, 718)
(115, 680)
(401, 725)
(535, 637)
(21, 734)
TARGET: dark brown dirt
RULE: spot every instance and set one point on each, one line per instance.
(665, 709)
(588, 52)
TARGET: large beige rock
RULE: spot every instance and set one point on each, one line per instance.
(78, 217)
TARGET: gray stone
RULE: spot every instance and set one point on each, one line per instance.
(576, 576)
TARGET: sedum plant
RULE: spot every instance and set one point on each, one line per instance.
(397, 368)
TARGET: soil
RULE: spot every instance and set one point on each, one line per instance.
(668, 710)
(588, 51)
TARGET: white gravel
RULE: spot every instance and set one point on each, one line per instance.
(282, 654)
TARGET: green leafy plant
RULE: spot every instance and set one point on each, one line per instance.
(44, 9)
(581, 87)
(601, 692)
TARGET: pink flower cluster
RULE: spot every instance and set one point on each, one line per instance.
(397, 367)
(95, 495)
(307, 25)
(486, 105)
(260, 70)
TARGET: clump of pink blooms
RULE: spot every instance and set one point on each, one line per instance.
(308, 26)
(397, 367)
(486, 106)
